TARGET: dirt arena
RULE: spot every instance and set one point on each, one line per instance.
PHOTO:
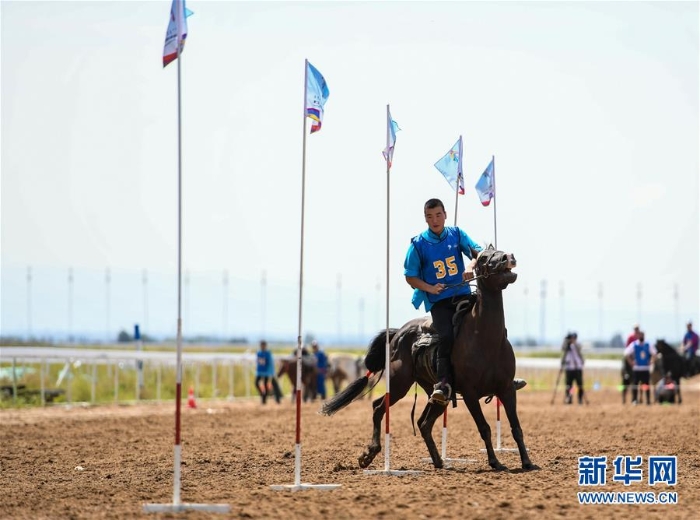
(107, 462)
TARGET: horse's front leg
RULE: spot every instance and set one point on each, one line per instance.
(376, 445)
(425, 424)
(509, 404)
(482, 425)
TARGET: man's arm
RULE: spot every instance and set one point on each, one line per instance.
(417, 283)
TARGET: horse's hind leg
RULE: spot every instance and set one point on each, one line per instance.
(425, 423)
(509, 404)
(376, 445)
(484, 430)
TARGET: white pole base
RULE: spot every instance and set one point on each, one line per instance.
(448, 460)
(396, 472)
(178, 508)
(301, 487)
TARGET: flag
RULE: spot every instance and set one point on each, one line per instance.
(485, 185)
(316, 96)
(388, 152)
(450, 165)
(176, 32)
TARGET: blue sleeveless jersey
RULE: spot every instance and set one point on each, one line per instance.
(442, 262)
(266, 364)
(642, 354)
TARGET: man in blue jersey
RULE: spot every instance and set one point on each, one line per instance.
(641, 356)
(321, 369)
(435, 268)
(265, 373)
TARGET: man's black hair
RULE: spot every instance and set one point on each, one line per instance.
(433, 203)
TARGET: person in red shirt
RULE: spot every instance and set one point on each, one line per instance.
(633, 337)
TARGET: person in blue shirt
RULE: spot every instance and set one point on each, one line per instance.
(321, 369)
(435, 268)
(641, 355)
(265, 372)
(690, 342)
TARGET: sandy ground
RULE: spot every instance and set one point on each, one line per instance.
(107, 462)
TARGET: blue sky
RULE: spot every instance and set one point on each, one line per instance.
(590, 108)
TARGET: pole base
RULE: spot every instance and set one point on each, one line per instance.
(301, 487)
(178, 508)
(394, 472)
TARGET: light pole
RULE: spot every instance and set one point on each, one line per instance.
(543, 295)
(362, 318)
(70, 305)
(224, 282)
(108, 279)
(675, 309)
(600, 311)
(562, 319)
(639, 303)
(263, 303)
(339, 311)
(144, 283)
(526, 328)
(29, 302)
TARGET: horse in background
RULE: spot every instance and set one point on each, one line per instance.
(678, 366)
(482, 357)
(308, 375)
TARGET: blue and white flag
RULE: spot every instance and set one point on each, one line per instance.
(485, 186)
(388, 152)
(450, 165)
(316, 96)
(176, 33)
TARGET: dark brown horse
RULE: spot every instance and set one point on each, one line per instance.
(308, 375)
(482, 357)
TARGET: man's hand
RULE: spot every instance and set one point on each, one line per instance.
(437, 288)
(467, 275)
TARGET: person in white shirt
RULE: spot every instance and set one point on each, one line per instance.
(572, 362)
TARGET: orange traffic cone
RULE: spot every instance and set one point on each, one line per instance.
(190, 399)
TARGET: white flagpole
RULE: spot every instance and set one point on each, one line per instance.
(495, 229)
(387, 361)
(177, 504)
(459, 176)
(297, 444)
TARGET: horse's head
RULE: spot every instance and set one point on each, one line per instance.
(494, 267)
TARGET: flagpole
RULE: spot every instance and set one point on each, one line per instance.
(297, 460)
(178, 364)
(459, 175)
(297, 442)
(387, 362)
(387, 345)
(495, 229)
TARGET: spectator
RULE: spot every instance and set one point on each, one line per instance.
(641, 356)
(265, 373)
(690, 342)
(321, 369)
(666, 389)
(632, 337)
(572, 361)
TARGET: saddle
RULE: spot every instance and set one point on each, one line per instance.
(424, 353)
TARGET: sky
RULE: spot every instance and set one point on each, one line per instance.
(591, 110)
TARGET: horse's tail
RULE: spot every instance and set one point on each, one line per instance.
(344, 398)
(376, 354)
(374, 361)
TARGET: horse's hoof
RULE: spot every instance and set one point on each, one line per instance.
(438, 464)
(364, 460)
(530, 467)
(499, 467)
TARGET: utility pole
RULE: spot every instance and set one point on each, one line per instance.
(224, 283)
(70, 305)
(543, 295)
(108, 279)
(29, 302)
(339, 312)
